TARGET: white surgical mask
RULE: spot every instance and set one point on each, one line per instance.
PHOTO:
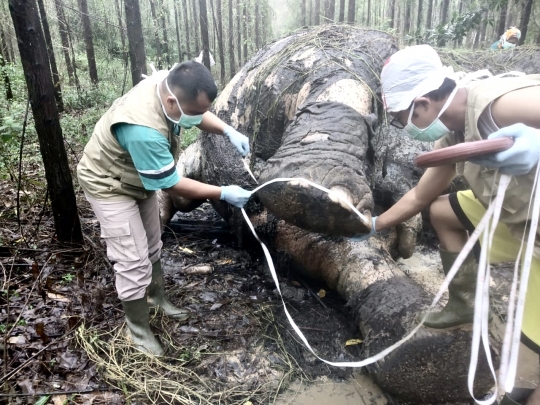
(435, 130)
(185, 121)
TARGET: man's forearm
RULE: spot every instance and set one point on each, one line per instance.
(211, 123)
(195, 190)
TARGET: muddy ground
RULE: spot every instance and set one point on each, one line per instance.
(62, 322)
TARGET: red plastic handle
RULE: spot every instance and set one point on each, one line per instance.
(462, 152)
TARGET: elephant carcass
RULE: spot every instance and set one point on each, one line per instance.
(308, 102)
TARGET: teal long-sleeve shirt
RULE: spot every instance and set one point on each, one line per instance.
(150, 152)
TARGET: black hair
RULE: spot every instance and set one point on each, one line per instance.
(442, 92)
(192, 78)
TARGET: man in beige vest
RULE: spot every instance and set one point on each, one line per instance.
(422, 99)
(132, 153)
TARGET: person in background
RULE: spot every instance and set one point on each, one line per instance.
(421, 98)
(132, 153)
(509, 39)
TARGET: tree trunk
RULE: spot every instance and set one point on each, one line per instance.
(4, 44)
(232, 63)
(33, 52)
(368, 13)
(88, 41)
(392, 8)
(429, 19)
(50, 54)
(310, 12)
(258, 25)
(351, 12)
(157, 41)
(239, 30)
(177, 27)
(303, 13)
(341, 17)
(5, 76)
(125, 51)
(62, 27)
(204, 33)
(317, 12)
(419, 25)
(195, 22)
(185, 12)
(165, 45)
(135, 36)
(524, 23)
(218, 26)
(407, 25)
(329, 10)
(445, 8)
(502, 20)
(296, 113)
(245, 28)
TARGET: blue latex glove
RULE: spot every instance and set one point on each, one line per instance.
(240, 142)
(235, 195)
(366, 236)
(521, 157)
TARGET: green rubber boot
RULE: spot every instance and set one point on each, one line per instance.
(461, 292)
(156, 296)
(138, 322)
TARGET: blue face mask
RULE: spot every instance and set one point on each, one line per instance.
(185, 121)
(435, 130)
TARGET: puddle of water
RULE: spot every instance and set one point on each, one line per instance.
(359, 390)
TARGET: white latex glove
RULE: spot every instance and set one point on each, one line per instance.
(235, 195)
(521, 157)
(366, 236)
(240, 142)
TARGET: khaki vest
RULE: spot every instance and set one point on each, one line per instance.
(106, 170)
(483, 181)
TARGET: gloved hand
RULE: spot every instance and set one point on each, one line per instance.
(521, 157)
(366, 236)
(240, 142)
(235, 195)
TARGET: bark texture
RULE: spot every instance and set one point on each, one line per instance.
(62, 27)
(137, 56)
(88, 41)
(33, 52)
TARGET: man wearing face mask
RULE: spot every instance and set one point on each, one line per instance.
(421, 99)
(132, 153)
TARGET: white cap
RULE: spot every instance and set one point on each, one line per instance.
(411, 73)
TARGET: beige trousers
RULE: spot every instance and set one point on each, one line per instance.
(132, 232)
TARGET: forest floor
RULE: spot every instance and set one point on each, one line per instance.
(62, 325)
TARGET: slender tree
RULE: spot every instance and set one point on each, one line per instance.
(351, 12)
(501, 27)
(245, 29)
(341, 17)
(165, 44)
(429, 19)
(219, 33)
(524, 23)
(232, 63)
(157, 40)
(445, 8)
(310, 12)
(177, 27)
(329, 10)
(317, 12)
(419, 24)
(392, 8)
(204, 33)
(407, 22)
(50, 54)
(5, 76)
(303, 12)
(194, 15)
(4, 44)
(88, 41)
(33, 52)
(125, 52)
(62, 27)
(239, 31)
(368, 14)
(135, 36)
(185, 12)
(258, 26)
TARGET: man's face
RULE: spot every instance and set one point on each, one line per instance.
(423, 115)
(191, 107)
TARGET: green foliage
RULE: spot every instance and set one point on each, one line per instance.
(457, 29)
(189, 136)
